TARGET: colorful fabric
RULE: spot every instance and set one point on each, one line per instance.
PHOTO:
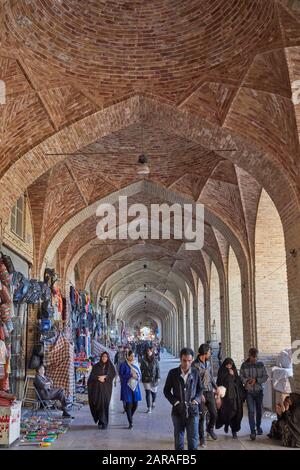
(3, 352)
(58, 360)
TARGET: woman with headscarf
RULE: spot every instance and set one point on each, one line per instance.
(100, 385)
(130, 376)
(230, 412)
(287, 426)
(150, 377)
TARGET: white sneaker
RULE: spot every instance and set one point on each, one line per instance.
(148, 411)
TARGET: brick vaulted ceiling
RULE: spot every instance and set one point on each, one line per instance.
(229, 62)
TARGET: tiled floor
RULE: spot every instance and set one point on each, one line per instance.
(152, 431)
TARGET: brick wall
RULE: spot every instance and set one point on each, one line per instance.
(235, 309)
(272, 310)
(215, 301)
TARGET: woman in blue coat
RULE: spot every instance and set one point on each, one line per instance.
(130, 376)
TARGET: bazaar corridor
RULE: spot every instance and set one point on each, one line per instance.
(150, 196)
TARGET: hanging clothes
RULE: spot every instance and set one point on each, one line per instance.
(58, 360)
(3, 352)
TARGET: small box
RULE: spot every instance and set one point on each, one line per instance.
(10, 421)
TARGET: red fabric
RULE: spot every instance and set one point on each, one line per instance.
(4, 275)
(4, 383)
(4, 294)
(5, 402)
(2, 335)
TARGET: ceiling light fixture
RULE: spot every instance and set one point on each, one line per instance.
(143, 159)
(143, 165)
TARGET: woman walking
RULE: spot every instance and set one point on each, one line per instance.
(100, 384)
(150, 377)
(130, 376)
(231, 411)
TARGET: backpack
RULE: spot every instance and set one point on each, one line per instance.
(45, 325)
(46, 292)
(50, 276)
(34, 292)
(46, 309)
(21, 290)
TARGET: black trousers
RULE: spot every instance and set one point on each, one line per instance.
(130, 410)
(208, 407)
(148, 397)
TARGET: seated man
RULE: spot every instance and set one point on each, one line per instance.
(46, 392)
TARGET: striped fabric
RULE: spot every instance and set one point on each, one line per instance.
(98, 349)
(58, 361)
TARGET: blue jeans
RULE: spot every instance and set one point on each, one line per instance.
(254, 404)
(191, 426)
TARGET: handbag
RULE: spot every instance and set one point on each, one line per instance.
(8, 263)
(132, 383)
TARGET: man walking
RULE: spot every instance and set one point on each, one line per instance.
(253, 375)
(203, 366)
(183, 390)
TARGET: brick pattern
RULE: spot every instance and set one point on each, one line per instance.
(272, 309)
(235, 310)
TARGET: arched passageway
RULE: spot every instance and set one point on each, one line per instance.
(110, 118)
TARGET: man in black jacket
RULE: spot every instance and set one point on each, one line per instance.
(183, 389)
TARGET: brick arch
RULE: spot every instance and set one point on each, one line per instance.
(99, 267)
(258, 163)
(93, 127)
(166, 194)
(119, 277)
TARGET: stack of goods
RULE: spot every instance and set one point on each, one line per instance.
(7, 399)
(83, 367)
(6, 324)
(36, 430)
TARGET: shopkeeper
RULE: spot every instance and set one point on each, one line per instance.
(46, 391)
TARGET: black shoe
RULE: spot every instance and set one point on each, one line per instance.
(104, 426)
(67, 415)
(259, 432)
(99, 426)
(130, 426)
(234, 435)
(212, 434)
(253, 436)
(226, 427)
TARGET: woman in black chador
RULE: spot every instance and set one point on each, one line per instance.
(100, 385)
(230, 412)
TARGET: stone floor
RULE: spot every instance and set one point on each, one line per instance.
(152, 431)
